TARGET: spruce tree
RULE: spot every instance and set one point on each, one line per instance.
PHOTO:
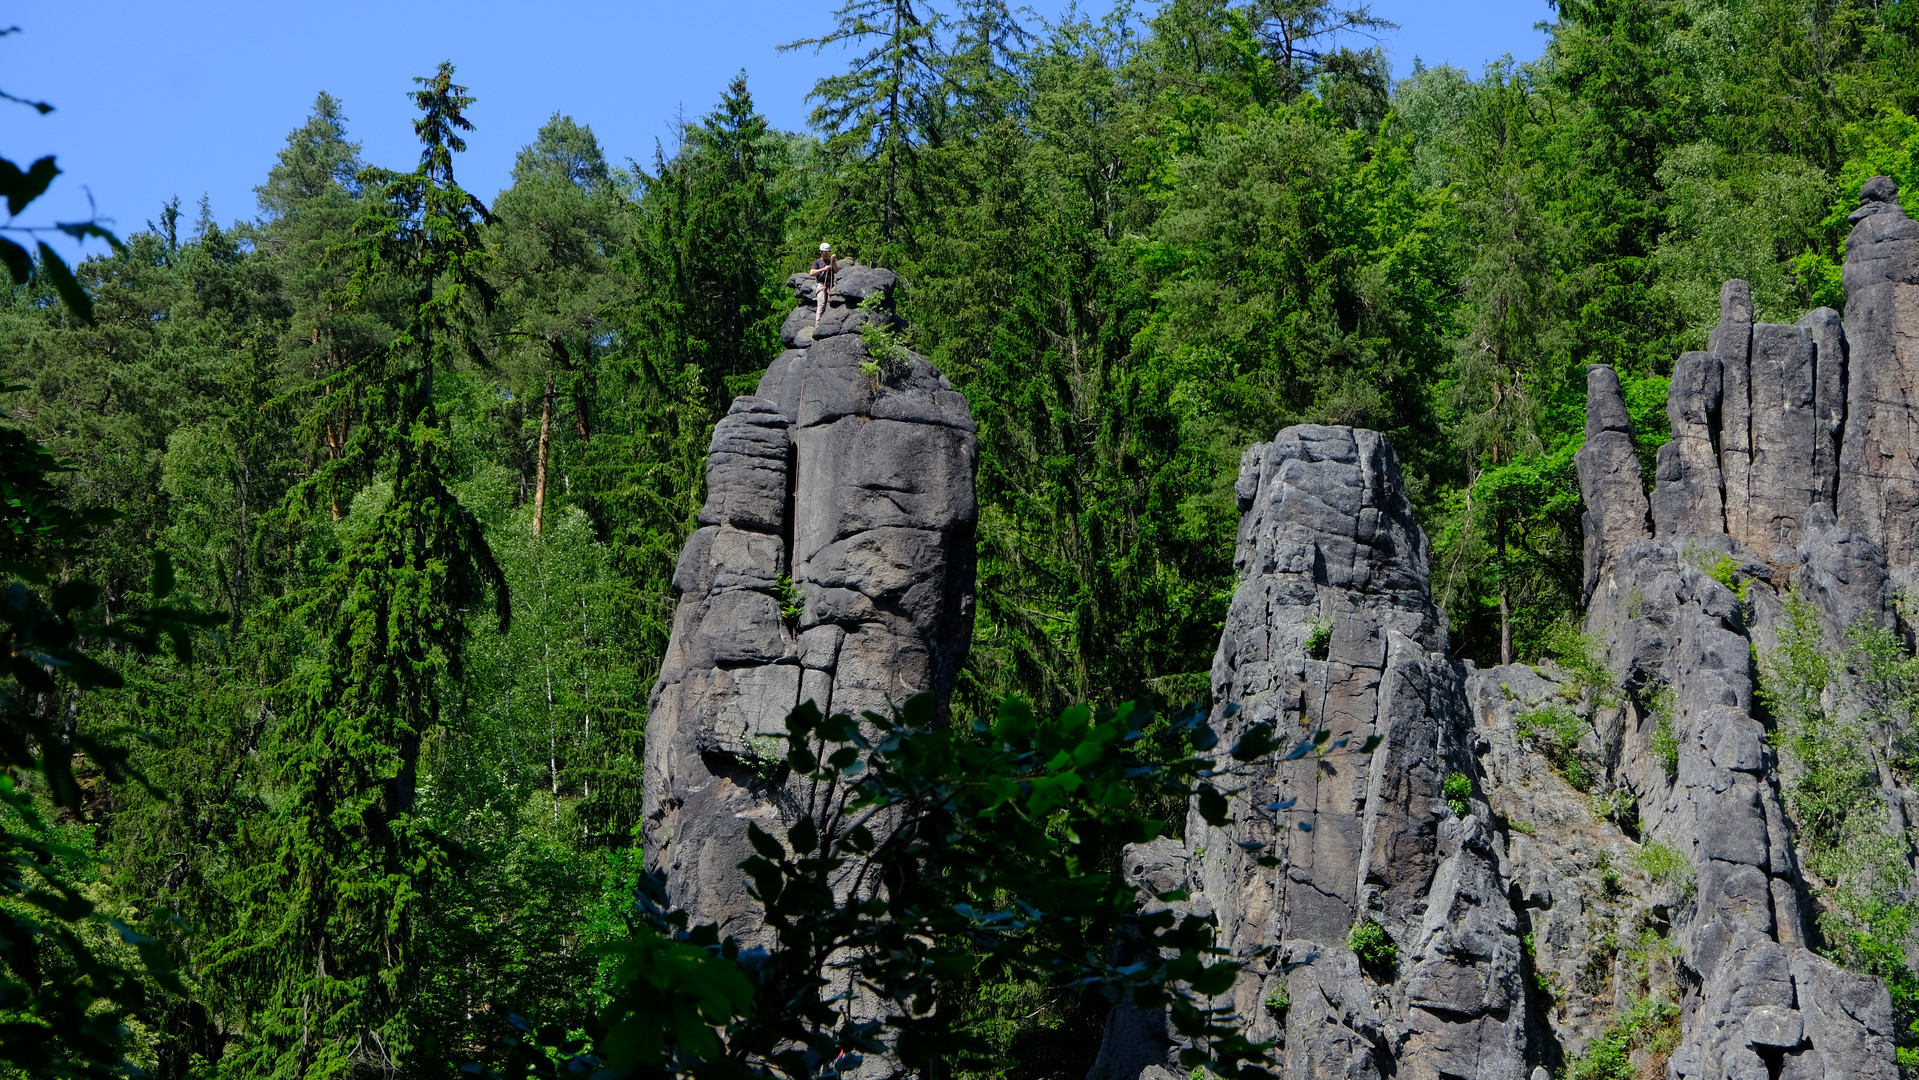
(324, 946)
(879, 111)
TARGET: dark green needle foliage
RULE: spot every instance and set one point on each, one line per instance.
(374, 825)
(326, 947)
(71, 976)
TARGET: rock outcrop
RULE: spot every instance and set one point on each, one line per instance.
(833, 563)
(1818, 495)
(1879, 474)
(1793, 469)
(1435, 890)
(1333, 629)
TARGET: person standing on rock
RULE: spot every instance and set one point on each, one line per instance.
(824, 269)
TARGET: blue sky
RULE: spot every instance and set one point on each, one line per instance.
(197, 96)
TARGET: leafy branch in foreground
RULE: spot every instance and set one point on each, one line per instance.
(63, 999)
(918, 855)
(20, 187)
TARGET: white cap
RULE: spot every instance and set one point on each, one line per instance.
(826, 247)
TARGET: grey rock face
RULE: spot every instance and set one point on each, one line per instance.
(1818, 487)
(1879, 476)
(1770, 398)
(1328, 547)
(834, 563)
(1616, 508)
(861, 294)
(1687, 495)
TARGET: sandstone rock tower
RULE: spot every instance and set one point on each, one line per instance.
(834, 563)
(1794, 465)
(1331, 562)
(1792, 457)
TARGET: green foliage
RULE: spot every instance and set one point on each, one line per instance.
(1555, 731)
(1319, 639)
(1457, 790)
(1377, 951)
(1620, 806)
(1279, 999)
(1883, 144)
(1374, 948)
(1726, 572)
(1664, 740)
(1580, 656)
(1137, 246)
(353, 856)
(1835, 797)
(1611, 885)
(885, 351)
(1012, 806)
(43, 266)
(1664, 864)
(1650, 1024)
(791, 602)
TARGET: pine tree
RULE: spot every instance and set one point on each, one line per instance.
(560, 227)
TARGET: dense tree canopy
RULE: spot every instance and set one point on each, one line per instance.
(368, 423)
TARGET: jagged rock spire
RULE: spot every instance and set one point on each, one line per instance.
(834, 563)
(1817, 489)
(1333, 627)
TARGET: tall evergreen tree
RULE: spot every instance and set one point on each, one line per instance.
(325, 945)
(878, 113)
(560, 227)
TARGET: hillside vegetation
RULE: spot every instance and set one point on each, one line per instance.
(422, 459)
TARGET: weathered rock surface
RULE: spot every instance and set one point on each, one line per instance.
(1616, 508)
(861, 294)
(1526, 924)
(1328, 550)
(833, 563)
(1819, 494)
(1879, 473)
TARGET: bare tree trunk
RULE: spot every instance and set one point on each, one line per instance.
(539, 475)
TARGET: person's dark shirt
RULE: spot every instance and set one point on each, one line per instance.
(832, 271)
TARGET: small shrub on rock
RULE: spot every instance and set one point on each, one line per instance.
(1458, 791)
(1664, 864)
(1555, 732)
(1375, 949)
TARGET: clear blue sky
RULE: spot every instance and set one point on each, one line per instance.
(197, 96)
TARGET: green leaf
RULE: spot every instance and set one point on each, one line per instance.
(19, 263)
(1216, 980)
(80, 230)
(21, 188)
(1212, 805)
(804, 835)
(64, 283)
(764, 843)
(803, 719)
(162, 585)
(1256, 743)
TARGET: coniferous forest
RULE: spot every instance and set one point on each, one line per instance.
(341, 537)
